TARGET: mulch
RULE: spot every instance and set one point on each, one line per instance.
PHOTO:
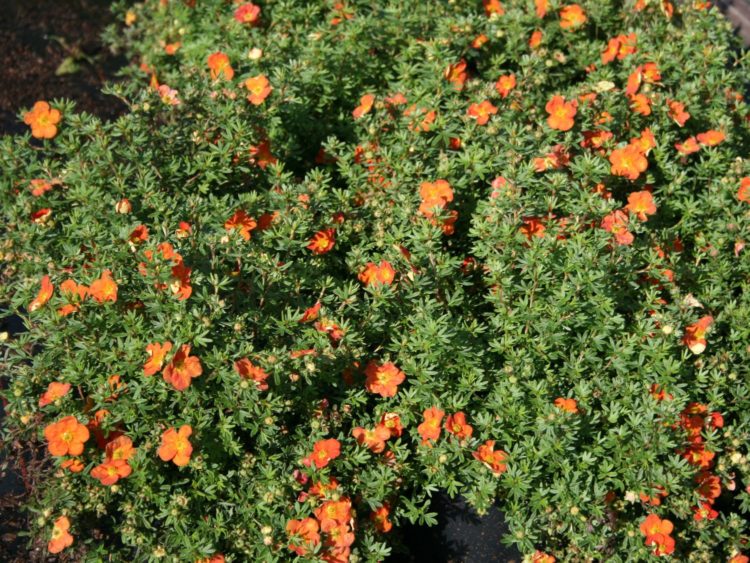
(36, 37)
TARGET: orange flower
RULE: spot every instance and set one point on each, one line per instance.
(688, 146)
(175, 445)
(374, 439)
(39, 186)
(380, 519)
(557, 159)
(695, 334)
(493, 7)
(261, 154)
(333, 513)
(561, 113)
(168, 95)
(628, 162)
(66, 436)
(242, 223)
(481, 112)
(709, 486)
(456, 424)
(536, 39)
(617, 224)
(434, 194)
(365, 105)
(44, 295)
(654, 525)
(306, 530)
(572, 17)
(183, 230)
(104, 288)
(619, 47)
(120, 449)
(640, 104)
(111, 471)
(156, 354)
(568, 405)
(182, 369)
(41, 216)
(383, 379)
(75, 293)
(696, 454)
(42, 120)
(456, 74)
(374, 274)
(596, 140)
(495, 460)
(138, 235)
(172, 48)
(430, 428)
(641, 204)
(645, 142)
(61, 538)
(323, 452)
(248, 13)
(532, 227)
(259, 88)
(541, 7)
(541, 557)
(392, 422)
(311, 313)
(322, 241)
(179, 281)
(73, 465)
(479, 40)
(54, 391)
(505, 84)
(711, 138)
(677, 112)
(219, 65)
(246, 369)
(743, 193)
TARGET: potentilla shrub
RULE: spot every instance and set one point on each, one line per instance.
(340, 256)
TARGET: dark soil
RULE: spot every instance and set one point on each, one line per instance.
(36, 36)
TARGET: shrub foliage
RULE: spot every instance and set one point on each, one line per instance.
(340, 256)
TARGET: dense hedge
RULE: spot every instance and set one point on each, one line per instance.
(340, 256)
